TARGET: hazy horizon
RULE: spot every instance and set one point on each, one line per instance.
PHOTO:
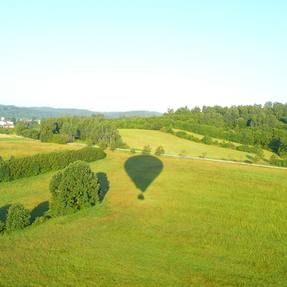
(126, 111)
(144, 55)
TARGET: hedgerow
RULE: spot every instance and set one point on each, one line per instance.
(279, 162)
(16, 168)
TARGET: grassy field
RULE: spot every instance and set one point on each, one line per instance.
(19, 147)
(200, 224)
(174, 145)
(267, 154)
(201, 136)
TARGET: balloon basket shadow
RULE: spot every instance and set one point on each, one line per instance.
(141, 196)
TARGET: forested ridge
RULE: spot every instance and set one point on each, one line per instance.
(15, 113)
(265, 126)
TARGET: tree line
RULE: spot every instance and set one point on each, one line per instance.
(264, 126)
(253, 125)
(92, 130)
(16, 168)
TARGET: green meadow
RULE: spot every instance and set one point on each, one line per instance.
(11, 145)
(137, 138)
(200, 224)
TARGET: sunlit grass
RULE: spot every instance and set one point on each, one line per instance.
(201, 224)
(138, 138)
(20, 147)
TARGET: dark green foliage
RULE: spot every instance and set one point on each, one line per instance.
(18, 217)
(257, 125)
(146, 149)
(251, 149)
(184, 135)
(60, 138)
(29, 166)
(207, 140)
(2, 226)
(28, 129)
(227, 145)
(93, 130)
(4, 170)
(278, 162)
(6, 131)
(73, 188)
(159, 151)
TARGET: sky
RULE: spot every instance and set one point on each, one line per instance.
(122, 55)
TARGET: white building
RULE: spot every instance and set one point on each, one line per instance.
(6, 124)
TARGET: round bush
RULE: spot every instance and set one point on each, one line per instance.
(159, 151)
(73, 188)
(18, 217)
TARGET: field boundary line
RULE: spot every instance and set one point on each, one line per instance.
(212, 160)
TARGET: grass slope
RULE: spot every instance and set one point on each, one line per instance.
(138, 138)
(201, 224)
(267, 154)
(20, 147)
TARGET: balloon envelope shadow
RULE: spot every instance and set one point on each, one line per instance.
(143, 170)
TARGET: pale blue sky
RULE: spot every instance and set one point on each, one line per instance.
(127, 55)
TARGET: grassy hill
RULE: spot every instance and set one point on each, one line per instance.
(11, 145)
(201, 224)
(267, 153)
(137, 138)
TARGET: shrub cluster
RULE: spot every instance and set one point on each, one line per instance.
(278, 162)
(28, 129)
(29, 166)
(93, 130)
(251, 149)
(159, 151)
(184, 135)
(73, 188)
(6, 131)
(18, 218)
(146, 149)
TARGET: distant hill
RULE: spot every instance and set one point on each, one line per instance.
(45, 112)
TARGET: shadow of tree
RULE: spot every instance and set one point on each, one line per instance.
(39, 210)
(143, 170)
(4, 212)
(104, 185)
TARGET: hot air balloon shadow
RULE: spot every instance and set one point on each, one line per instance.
(143, 170)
